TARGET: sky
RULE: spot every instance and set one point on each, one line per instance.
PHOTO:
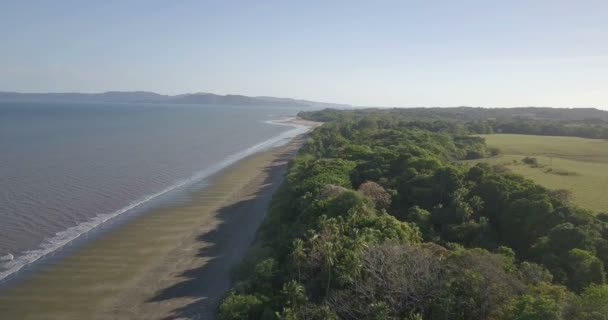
(369, 53)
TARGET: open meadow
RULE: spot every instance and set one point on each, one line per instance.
(575, 164)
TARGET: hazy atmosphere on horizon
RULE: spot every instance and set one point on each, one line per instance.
(382, 53)
(304, 160)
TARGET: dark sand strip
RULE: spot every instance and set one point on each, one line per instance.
(170, 263)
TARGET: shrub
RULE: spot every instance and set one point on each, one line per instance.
(530, 161)
(241, 307)
(493, 151)
(473, 154)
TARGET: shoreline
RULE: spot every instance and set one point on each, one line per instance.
(54, 247)
(148, 268)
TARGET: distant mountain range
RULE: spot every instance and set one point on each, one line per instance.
(152, 97)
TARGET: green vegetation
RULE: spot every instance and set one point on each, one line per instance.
(378, 218)
(587, 123)
(577, 165)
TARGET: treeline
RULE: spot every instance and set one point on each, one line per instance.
(585, 123)
(469, 113)
(583, 129)
(376, 220)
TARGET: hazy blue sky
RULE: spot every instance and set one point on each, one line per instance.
(390, 53)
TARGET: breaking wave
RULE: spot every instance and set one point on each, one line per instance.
(9, 265)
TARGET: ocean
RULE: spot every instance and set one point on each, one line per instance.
(67, 168)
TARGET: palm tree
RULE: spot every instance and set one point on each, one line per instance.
(295, 292)
(299, 256)
(329, 257)
(326, 245)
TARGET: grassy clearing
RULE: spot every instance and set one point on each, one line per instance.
(575, 164)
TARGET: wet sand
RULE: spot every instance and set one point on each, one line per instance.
(169, 263)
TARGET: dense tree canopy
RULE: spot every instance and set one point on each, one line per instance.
(586, 123)
(376, 220)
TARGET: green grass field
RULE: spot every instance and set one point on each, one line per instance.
(576, 164)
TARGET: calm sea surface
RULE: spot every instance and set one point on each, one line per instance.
(66, 168)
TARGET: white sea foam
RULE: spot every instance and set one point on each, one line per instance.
(7, 257)
(10, 266)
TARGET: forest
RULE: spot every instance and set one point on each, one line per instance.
(378, 219)
(584, 123)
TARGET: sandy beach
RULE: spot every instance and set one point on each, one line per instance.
(170, 263)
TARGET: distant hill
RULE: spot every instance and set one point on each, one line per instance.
(111, 96)
(306, 102)
(151, 97)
